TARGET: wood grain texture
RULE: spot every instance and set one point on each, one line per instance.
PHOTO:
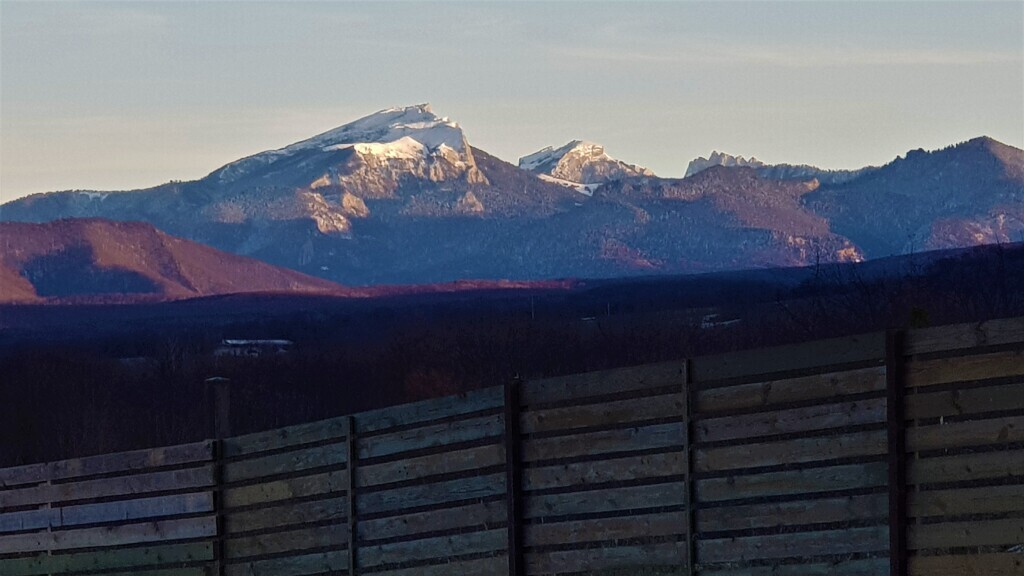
(961, 467)
(974, 565)
(793, 482)
(604, 529)
(965, 402)
(603, 414)
(959, 501)
(118, 511)
(324, 483)
(604, 442)
(790, 513)
(775, 392)
(109, 536)
(477, 514)
(794, 545)
(432, 436)
(429, 410)
(302, 565)
(962, 336)
(631, 556)
(1007, 532)
(137, 484)
(439, 547)
(333, 429)
(420, 467)
(436, 493)
(334, 509)
(294, 541)
(965, 368)
(620, 499)
(966, 434)
(285, 463)
(799, 450)
(583, 474)
(590, 384)
(806, 419)
(149, 556)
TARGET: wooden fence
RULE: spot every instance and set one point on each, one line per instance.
(898, 453)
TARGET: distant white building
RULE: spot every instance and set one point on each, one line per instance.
(253, 348)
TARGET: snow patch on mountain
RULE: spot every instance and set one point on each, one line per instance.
(776, 171)
(720, 159)
(580, 162)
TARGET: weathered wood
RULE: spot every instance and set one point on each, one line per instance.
(805, 388)
(23, 475)
(285, 515)
(319, 563)
(793, 513)
(431, 494)
(604, 442)
(621, 499)
(632, 556)
(492, 566)
(429, 410)
(1007, 532)
(301, 487)
(287, 462)
(294, 541)
(290, 436)
(793, 482)
(159, 531)
(133, 461)
(611, 470)
(895, 375)
(963, 402)
(604, 529)
(350, 508)
(806, 419)
(432, 436)
(859, 567)
(966, 434)
(1008, 564)
(419, 467)
(122, 510)
(170, 554)
(957, 501)
(138, 484)
(438, 547)
(794, 545)
(822, 353)
(616, 412)
(962, 467)
(961, 336)
(965, 368)
(795, 451)
(513, 444)
(590, 384)
(476, 514)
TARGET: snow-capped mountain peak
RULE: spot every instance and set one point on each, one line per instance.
(720, 159)
(580, 162)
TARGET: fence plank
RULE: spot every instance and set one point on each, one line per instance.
(794, 545)
(807, 419)
(618, 412)
(299, 540)
(965, 368)
(491, 566)
(956, 501)
(961, 336)
(799, 512)
(138, 484)
(620, 499)
(476, 514)
(631, 556)
(133, 461)
(965, 434)
(965, 401)
(975, 565)
(285, 515)
(436, 493)
(164, 530)
(793, 482)
(604, 442)
(290, 436)
(794, 451)
(962, 467)
(288, 462)
(476, 458)
(604, 529)
(429, 410)
(439, 547)
(431, 436)
(610, 470)
(109, 559)
(590, 384)
(307, 564)
(118, 511)
(1006, 532)
(786, 391)
(304, 486)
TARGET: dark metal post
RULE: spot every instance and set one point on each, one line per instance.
(513, 480)
(897, 453)
(690, 500)
(353, 456)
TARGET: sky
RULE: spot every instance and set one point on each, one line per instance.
(123, 95)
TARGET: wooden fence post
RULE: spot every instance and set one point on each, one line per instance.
(691, 513)
(221, 429)
(353, 455)
(513, 479)
(897, 453)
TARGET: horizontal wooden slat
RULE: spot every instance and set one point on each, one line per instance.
(286, 515)
(794, 545)
(1008, 564)
(491, 566)
(794, 451)
(323, 483)
(809, 355)
(952, 502)
(162, 531)
(961, 336)
(807, 419)
(603, 414)
(138, 484)
(458, 517)
(476, 458)
(122, 510)
(965, 401)
(109, 463)
(431, 494)
(962, 467)
(578, 386)
(431, 436)
(287, 462)
(793, 482)
(170, 554)
(611, 470)
(334, 429)
(439, 547)
(965, 368)
(805, 388)
(333, 535)
(1007, 532)
(428, 410)
(623, 498)
(604, 442)
(604, 529)
(858, 567)
(319, 563)
(965, 434)
(800, 512)
(636, 557)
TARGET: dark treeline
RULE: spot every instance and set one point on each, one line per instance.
(86, 380)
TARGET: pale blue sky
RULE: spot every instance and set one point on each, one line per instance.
(123, 95)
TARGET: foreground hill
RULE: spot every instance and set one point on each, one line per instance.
(402, 197)
(121, 261)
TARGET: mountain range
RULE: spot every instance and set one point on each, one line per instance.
(402, 197)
